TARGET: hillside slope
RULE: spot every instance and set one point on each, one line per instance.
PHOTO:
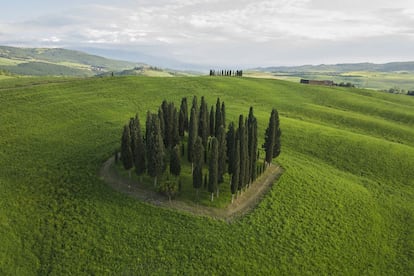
(344, 205)
(56, 61)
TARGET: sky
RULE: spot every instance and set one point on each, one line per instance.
(204, 33)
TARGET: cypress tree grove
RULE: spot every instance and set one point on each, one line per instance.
(231, 140)
(278, 134)
(218, 122)
(270, 138)
(213, 168)
(181, 124)
(212, 121)
(155, 150)
(126, 152)
(198, 165)
(192, 135)
(139, 153)
(236, 172)
(175, 161)
(222, 154)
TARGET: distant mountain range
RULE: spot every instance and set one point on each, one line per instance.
(345, 67)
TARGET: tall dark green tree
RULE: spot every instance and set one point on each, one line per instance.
(278, 134)
(236, 173)
(155, 150)
(175, 131)
(203, 127)
(161, 118)
(218, 122)
(222, 154)
(252, 144)
(139, 153)
(270, 135)
(126, 152)
(175, 161)
(212, 121)
(181, 124)
(198, 165)
(246, 155)
(223, 115)
(241, 133)
(133, 131)
(231, 140)
(192, 135)
(184, 108)
(213, 168)
(194, 105)
(148, 123)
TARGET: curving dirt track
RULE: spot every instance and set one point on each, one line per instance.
(244, 203)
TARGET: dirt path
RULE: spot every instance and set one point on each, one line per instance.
(244, 203)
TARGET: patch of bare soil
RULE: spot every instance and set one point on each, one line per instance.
(244, 203)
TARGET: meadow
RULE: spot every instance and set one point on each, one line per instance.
(344, 205)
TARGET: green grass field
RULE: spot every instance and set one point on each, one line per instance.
(344, 205)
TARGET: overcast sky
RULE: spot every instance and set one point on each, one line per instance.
(223, 33)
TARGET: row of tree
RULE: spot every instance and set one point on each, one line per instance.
(208, 145)
(227, 73)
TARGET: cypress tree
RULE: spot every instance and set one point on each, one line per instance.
(253, 153)
(148, 127)
(203, 122)
(198, 164)
(231, 140)
(246, 155)
(212, 121)
(223, 115)
(126, 152)
(252, 144)
(192, 135)
(161, 119)
(175, 161)
(222, 153)
(134, 134)
(194, 105)
(184, 109)
(218, 117)
(236, 172)
(213, 168)
(139, 153)
(278, 133)
(269, 143)
(241, 138)
(175, 131)
(155, 150)
(181, 127)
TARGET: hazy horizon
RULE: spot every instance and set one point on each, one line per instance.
(200, 33)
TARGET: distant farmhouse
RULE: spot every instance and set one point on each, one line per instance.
(318, 82)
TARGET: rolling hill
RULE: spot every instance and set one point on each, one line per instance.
(344, 205)
(396, 75)
(57, 62)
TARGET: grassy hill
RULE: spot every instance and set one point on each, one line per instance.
(365, 75)
(56, 62)
(344, 205)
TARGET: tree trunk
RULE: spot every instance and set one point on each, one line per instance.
(212, 197)
(192, 167)
(218, 192)
(232, 198)
(155, 182)
(129, 173)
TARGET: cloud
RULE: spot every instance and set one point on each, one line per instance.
(213, 31)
